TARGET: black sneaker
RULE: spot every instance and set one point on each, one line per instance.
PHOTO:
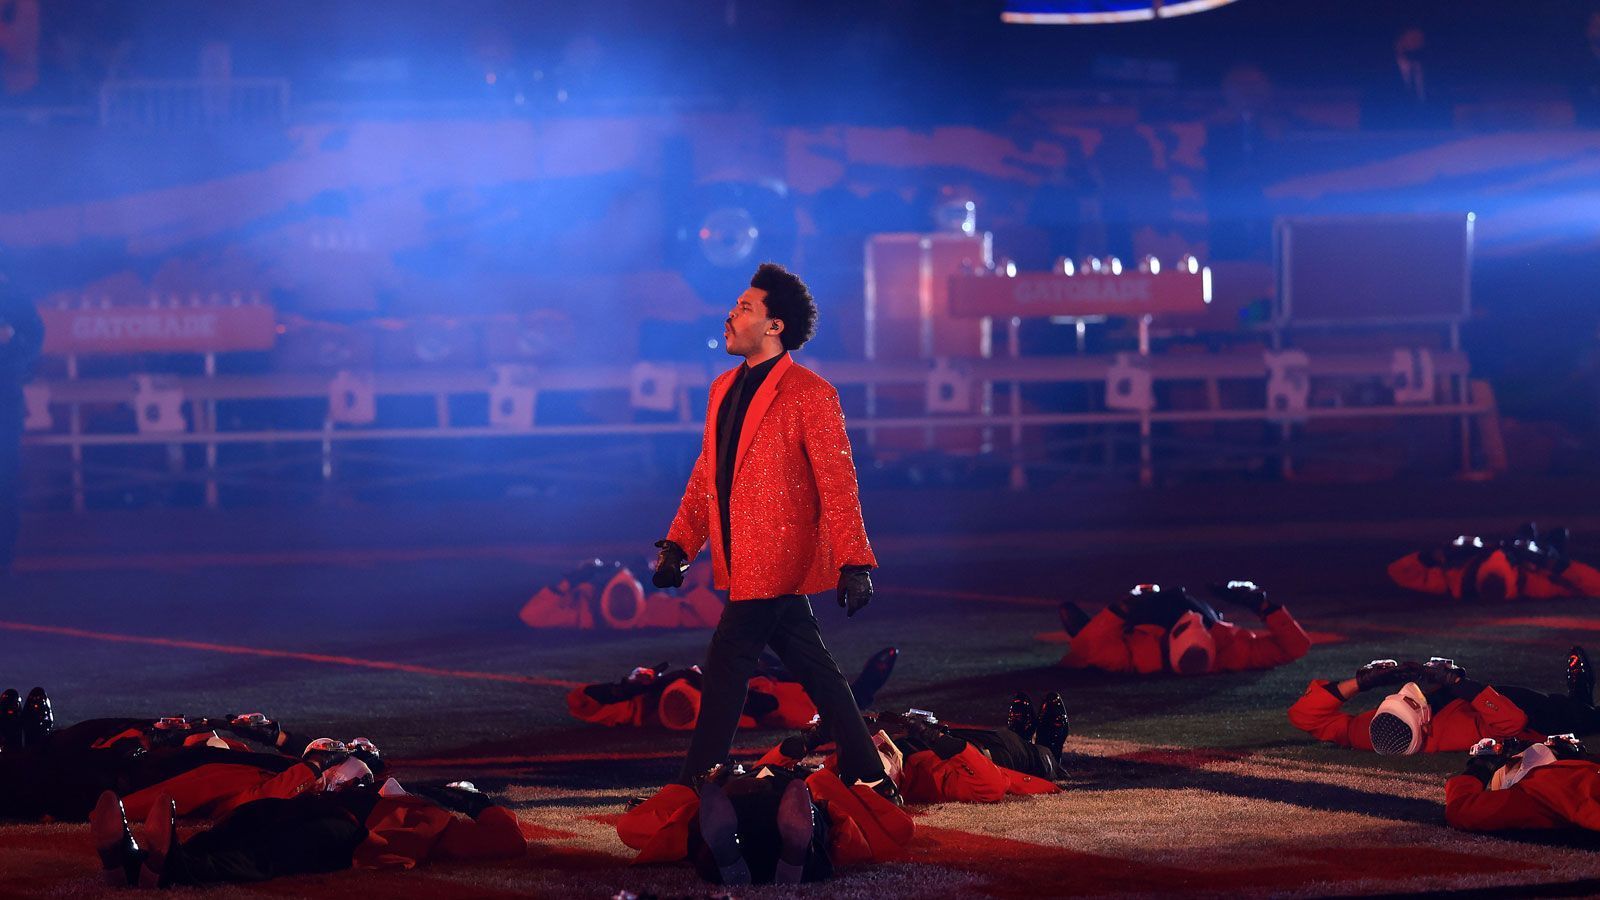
(1019, 717)
(1053, 725)
(1580, 677)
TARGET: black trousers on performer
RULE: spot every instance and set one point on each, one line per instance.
(1553, 713)
(270, 839)
(787, 625)
(1008, 750)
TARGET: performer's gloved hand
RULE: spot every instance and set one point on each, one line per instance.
(1246, 594)
(1384, 673)
(671, 563)
(855, 589)
(1565, 746)
(1439, 673)
(254, 727)
(1485, 758)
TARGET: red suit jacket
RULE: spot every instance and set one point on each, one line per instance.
(1532, 582)
(1107, 643)
(1456, 726)
(795, 510)
(404, 831)
(1562, 794)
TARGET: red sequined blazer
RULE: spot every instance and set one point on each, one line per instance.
(795, 510)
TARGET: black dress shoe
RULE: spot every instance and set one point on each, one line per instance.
(719, 826)
(885, 787)
(874, 675)
(11, 733)
(1053, 725)
(1073, 618)
(161, 836)
(1580, 677)
(796, 825)
(1019, 718)
(37, 718)
(120, 856)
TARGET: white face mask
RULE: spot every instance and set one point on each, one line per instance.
(1410, 706)
(350, 772)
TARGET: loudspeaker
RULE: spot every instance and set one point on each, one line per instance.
(1129, 385)
(351, 399)
(158, 409)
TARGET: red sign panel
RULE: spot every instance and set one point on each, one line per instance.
(196, 329)
(1089, 294)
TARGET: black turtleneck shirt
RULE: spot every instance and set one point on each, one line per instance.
(730, 422)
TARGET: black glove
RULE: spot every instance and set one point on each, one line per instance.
(671, 563)
(254, 727)
(1439, 673)
(1245, 594)
(1384, 673)
(323, 754)
(855, 589)
(1485, 758)
(1458, 552)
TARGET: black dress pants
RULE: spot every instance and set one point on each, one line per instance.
(787, 625)
(269, 839)
(1553, 713)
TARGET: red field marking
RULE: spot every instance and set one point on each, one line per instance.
(1326, 637)
(1016, 599)
(1562, 623)
(554, 758)
(90, 562)
(287, 654)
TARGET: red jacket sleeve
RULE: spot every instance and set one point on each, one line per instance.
(1411, 572)
(691, 527)
(827, 446)
(1318, 713)
(659, 827)
(1284, 641)
(588, 709)
(967, 777)
(1101, 644)
(494, 834)
(1500, 717)
(1468, 805)
(212, 790)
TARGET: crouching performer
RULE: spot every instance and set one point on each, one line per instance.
(659, 695)
(776, 823)
(1436, 707)
(1154, 629)
(1526, 565)
(356, 823)
(1554, 784)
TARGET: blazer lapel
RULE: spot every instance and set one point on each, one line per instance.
(758, 408)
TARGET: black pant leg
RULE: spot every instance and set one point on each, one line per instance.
(1008, 750)
(798, 642)
(742, 631)
(1553, 713)
(270, 839)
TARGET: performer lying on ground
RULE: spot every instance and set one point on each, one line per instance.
(357, 824)
(1160, 630)
(1525, 565)
(1438, 708)
(1554, 784)
(659, 695)
(61, 775)
(861, 824)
